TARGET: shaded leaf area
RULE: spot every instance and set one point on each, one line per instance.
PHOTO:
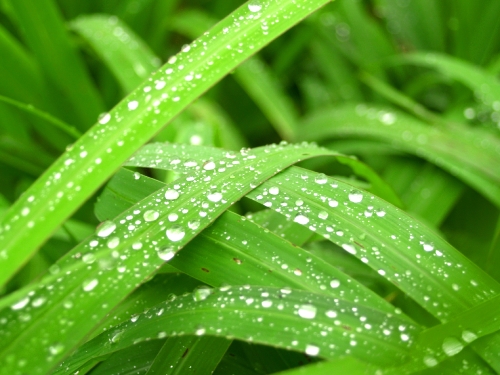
(292, 319)
(469, 154)
(88, 282)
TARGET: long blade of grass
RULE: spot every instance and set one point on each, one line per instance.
(126, 251)
(118, 134)
(284, 317)
(470, 154)
(127, 56)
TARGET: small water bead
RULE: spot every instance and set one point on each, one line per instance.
(355, 196)
(56, 349)
(333, 203)
(104, 118)
(323, 215)
(200, 331)
(254, 6)
(312, 350)
(267, 303)
(172, 217)
(151, 215)
(38, 302)
(452, 346)
(105, 229)
(301, 219)
(404, 337)
(133, 105)
(166, 254)
(175, 233)
(171, 194)
(297, 272)
(321, 179)
(214, 197)
(427, 247)
(274, 190)
(89, 285)
(88, 258)
(335, 283)
(331, 314)
(307, 311)
(137, 246)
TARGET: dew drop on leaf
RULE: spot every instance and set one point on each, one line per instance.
(355, 196)
(171, 194)
(323, 215)
(335, 283)
(209, 166)
(166, 254)
(106, 228)
(151, 215)
(452, 346)
(88, 258)
(113, 242)
(200, 331)
(307, 311)
(56, 348)
(201, 293)
(20, 304)
(331, 314)
(321, 179)
(468, 336)
(274, 190)
(312, 350)
(349, 248)
(214, 197)
(175, 233)
(194, 224)
(89, 285)
(301, 219)
(254, 6)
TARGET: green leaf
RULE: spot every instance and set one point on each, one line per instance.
(470, 154)
(101, 271)
(118, 134)
(125, 54)
(291, 319)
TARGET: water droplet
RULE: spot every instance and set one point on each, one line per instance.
(106, 228)
(214, 197)
(194, 224)
(349, 248)
(254, 6)
(301, 219)
(175, 233)
(200, 331)
(151, 215)
(335, 283)
(171, 194)
(331, 314)
(427, 247)
(104, 118)
(430, 361)
(166, 254)
(209, 166)
(274, 190)
(267, 303)
(307, 311)
(312, 350)
(113, 242)
(133, 105)
(202, 293)
(452, 346)
(89, 285)
(321, 179)
(88, 258)
(323, 215)
(468, 336)
(20, 304)
(355, 196)
(56, 348)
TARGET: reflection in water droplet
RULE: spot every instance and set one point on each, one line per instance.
(89, 285)
(312, 350)
(106, 228)
(452, 346)
(175, 233)
(301, 219)
(171, 194)
(355, 196)
(307, 311)
(214, 197)
(151, 215)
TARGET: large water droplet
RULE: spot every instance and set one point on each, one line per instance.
(171, 194)
(307, 311)
(106, 228)
(20, 304)
(175, 233)
(312, 350)
(151, 215)
(208, 166)
(89, 285)
(452, 346)
(214, 197)
(355, 196)
(335, 283)
(166, 254)
(301, 219)
(254, 6)
(468, 336)
(202, 293)
(349, 248)
(321, 179)
(274, 190)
